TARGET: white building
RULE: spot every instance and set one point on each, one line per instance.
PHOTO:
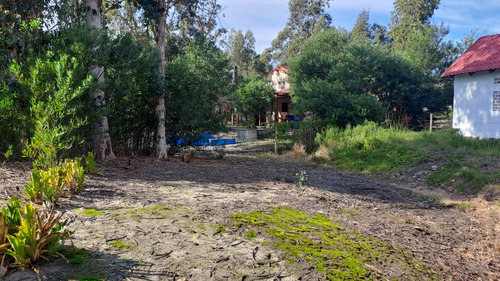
(281, 104)
(476, 102)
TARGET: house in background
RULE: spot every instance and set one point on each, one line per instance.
(476, 102)
(281, 104)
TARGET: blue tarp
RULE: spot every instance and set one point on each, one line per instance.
(204, 139)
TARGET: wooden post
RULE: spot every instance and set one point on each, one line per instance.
(430, 123)
(275, 138)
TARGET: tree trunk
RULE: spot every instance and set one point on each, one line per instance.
(102, 140)
(160, 33)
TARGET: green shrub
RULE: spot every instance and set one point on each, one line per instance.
(53, 86)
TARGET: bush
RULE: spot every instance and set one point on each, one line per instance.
(53, 87)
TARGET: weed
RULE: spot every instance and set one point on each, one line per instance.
(250, 234)
(301, 177)
(90, 166)
(220, 229)
(372, 149)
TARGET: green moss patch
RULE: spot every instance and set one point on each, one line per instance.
(120, 245)
(339, 253)
(92, 212)
(156, 210)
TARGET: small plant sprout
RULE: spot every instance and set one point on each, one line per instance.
(301, 177)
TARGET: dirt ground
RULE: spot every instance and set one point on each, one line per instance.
(172, 220)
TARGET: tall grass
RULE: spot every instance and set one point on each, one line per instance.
(370, 148)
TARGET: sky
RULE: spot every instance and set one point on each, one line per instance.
(265, 18)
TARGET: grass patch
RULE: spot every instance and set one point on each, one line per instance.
(376, 150)
(92, 212)
(464, 206)
(77, 256)
(250, 234)
(338, 253)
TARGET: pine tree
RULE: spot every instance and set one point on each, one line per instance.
(361, 30)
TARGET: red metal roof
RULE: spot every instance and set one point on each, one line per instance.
(278, 68)
(483, 55)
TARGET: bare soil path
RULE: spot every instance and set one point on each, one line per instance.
(171, 220)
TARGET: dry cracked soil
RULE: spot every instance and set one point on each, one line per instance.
(145, 219)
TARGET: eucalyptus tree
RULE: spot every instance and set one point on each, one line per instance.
(164, 16)
(102, 141)
(201, 19)
(307, 18)
(241, 50)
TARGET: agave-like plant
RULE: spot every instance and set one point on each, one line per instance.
(37, 185)
(37, 236)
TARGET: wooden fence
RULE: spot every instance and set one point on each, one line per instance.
(439, 123)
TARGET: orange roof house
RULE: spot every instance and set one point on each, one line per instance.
(281, 105)
(476, 101)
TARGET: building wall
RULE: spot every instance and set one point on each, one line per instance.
(279, 80)
(476, 104)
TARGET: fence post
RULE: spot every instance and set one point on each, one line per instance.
(430, 125)
(275, 138)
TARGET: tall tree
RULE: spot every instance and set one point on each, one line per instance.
(412, 33)
(241, 50)
(102, 140)
(361, 30)
(163, 16)
(307, 17)
(201, 19)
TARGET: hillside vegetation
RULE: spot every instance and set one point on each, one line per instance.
(460, 164)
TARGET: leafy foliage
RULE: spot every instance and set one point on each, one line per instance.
(90, 166)
(132, 86)
(53, 89)
(252, 97)
(196, 81)
(327, 80)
